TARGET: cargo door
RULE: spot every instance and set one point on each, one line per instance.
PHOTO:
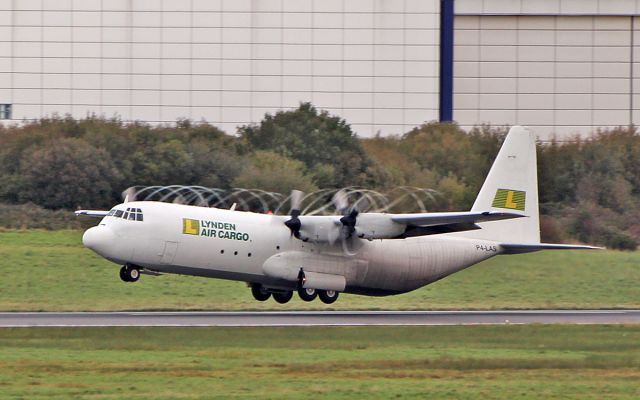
(169, 253)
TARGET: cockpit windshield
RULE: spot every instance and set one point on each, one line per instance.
(131, 214)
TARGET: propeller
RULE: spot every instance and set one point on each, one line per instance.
(350, 213)
(349, 218)
(129, 194)
(294, 223)
(349, 223)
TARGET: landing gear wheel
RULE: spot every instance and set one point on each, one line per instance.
(123, 274)
(259, 293)
(282, 297)
(129, 274)
(328, 296)
(134, 274)
(307, 294)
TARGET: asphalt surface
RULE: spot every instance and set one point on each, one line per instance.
(316, 318)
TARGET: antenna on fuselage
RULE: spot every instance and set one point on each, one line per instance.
(233, 207)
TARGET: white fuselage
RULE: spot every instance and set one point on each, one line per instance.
(236, 245)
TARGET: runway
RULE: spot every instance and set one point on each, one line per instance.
(316, 318)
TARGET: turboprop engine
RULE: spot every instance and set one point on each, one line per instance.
(352, 223)
(329, 229)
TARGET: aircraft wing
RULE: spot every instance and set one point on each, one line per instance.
(92, 213)
(394, 226)
(450, 218)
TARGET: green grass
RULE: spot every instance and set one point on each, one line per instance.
(489, 362)
(52, 271)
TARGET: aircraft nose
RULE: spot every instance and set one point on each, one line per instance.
(98, 239)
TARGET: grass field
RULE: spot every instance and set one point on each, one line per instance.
(52, 271)
(488, 362)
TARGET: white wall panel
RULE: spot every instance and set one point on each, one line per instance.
(86, 97)
(145, 83)
(567, 74)
(225, 61)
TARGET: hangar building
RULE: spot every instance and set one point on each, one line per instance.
(385, 66)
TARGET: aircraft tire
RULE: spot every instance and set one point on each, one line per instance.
(123, 274)
(259, 294)
(328, 296)
(307, 294)
(282, 297)
(133, 274)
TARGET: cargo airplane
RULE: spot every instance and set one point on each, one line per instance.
(373, 254)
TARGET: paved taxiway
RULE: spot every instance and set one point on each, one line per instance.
(317, 318)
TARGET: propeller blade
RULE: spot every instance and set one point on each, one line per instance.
(294, 224)
(341, 201)
(345, 247)
(296, 201)
(129, 194)
(179, 200)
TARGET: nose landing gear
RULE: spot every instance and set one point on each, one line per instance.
(129, 273)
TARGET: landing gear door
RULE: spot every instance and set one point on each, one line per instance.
(169, 253)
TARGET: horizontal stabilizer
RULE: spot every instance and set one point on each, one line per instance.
(519, 248)
(92, 213)
(448, 218)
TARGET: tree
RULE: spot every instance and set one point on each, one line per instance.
(67, 173)
(315, 138)
(275, 173)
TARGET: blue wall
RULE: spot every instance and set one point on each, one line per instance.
(446, 60)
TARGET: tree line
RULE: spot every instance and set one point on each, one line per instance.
(588, 187)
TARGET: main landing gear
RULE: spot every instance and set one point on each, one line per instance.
(328, 296)
(307, 294)
(261, 293)
(129, 273)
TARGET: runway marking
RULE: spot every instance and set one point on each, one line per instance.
(315, 318)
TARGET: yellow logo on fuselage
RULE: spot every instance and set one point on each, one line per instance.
(511, 199)
(213, 229)
(190, 226)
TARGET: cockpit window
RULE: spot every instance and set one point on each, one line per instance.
(131, 214)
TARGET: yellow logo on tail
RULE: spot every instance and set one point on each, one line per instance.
(511, 199)
(190, 226)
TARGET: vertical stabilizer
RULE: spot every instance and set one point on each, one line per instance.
(511, 186)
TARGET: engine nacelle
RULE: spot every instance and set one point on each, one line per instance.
(378, 226)
(328, 229)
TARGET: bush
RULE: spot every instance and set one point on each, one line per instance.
(31, 216)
